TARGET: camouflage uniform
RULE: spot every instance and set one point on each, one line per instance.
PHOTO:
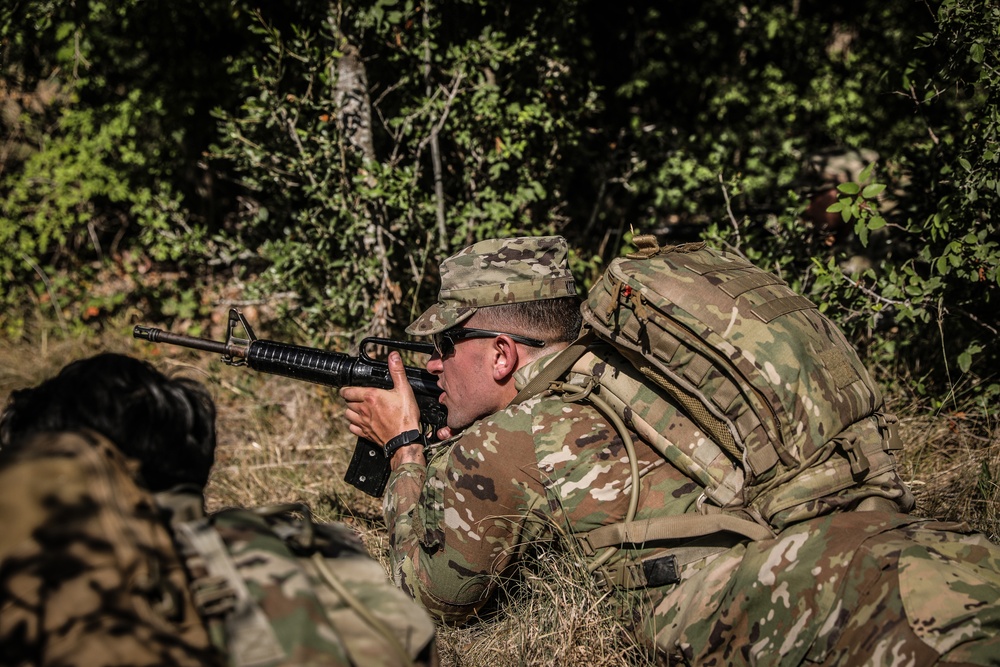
(88, 574)
(277, 589)
(853, 588)
(495, 272)
(847, 588)
(510, 481)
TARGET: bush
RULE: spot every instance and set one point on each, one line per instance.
(374, 141)
(104, 110)
(354, 146)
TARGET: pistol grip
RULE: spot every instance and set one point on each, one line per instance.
(369, 468)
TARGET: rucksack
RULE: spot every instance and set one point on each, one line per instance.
(781, 421)
(277, 589)
(88, 572)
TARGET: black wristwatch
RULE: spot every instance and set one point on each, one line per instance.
(402, 440)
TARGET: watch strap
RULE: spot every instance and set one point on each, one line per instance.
(402, 440)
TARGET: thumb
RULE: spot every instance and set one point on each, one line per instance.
(396, 370)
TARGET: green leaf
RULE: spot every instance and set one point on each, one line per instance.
(849, 188)
(978, 52)
(866, 172)
(965, 164)
(873, 190)
(862, 232)
(965, 361)
(877, 222)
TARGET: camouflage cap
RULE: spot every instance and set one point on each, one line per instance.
(497, 272)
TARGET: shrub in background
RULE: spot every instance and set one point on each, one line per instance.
(331, 153)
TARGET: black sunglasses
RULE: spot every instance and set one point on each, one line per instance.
(444, 342)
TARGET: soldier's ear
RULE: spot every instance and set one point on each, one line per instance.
(505, 358)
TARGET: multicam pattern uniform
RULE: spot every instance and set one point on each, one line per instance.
(850, 588)
(257, 601)
(855, 588)
(88, 574)
(279, 590)
(508, 482)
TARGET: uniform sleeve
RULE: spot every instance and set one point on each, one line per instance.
(458, 524)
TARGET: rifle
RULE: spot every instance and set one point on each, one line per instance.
(369, 468)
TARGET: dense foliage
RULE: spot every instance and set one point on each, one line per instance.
(327, 155)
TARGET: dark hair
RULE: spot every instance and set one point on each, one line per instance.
(553, 320)
(167, 424)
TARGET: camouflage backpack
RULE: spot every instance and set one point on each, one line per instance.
(275, 588)
(740, 383)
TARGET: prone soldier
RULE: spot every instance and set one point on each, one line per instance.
(107, 558)
(848, 587)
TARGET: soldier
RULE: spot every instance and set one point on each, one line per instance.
(95, 464)
(848, 588)
(88, 573)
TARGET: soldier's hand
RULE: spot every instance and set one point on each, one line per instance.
(381, 414)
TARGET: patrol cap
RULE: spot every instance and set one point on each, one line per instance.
(497, 272)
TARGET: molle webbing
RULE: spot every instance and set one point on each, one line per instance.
(772, 310)
(222, 592)
(769, 379)
(282, 590)
(696, 408)
(738, 285)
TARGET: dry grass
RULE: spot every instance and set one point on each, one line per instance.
(952, 463)
(557, 616)
(286, 441)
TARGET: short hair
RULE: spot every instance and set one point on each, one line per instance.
(553, 320)
(167, 424)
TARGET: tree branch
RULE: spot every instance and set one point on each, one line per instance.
(435, 146)
(729, 210)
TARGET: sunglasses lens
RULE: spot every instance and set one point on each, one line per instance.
(443, 344)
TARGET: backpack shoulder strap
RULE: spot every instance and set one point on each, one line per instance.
(555, 369)
(250, 639)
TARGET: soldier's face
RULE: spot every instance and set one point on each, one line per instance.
(465, 376)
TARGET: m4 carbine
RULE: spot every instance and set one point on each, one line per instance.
(369, 467)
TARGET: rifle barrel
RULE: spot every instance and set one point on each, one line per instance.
(161, 336)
